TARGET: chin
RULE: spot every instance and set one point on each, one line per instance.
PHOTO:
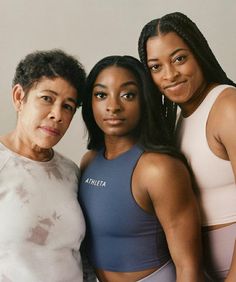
(46, 145)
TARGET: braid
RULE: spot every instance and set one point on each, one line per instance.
(149, 30)
(186, 29)
(192, 36)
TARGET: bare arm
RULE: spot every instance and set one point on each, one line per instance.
(169, 188)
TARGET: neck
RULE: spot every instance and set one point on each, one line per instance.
(114, 147)
(31, 152)
(189, 107)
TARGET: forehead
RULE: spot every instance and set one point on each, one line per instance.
(55, 82)
(115, 74)
(58, 85)
(164, 43)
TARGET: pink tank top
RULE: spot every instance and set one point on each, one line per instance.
(214, 176)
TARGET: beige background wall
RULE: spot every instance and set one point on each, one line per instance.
(92, 29)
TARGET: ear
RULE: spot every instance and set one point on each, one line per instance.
(18, 95)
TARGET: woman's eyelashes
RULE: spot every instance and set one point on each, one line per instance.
(100, 95)
(50, 100)
(130, 95)
(179, 59)
(47, 98)
(155, 68)
(69, 108)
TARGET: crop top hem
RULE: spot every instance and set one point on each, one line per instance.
(134, 269)
(229, 219)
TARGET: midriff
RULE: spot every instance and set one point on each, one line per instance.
(110, 276)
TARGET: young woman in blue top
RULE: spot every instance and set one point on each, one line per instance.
(135, 190)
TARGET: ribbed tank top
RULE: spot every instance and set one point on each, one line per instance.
(122, 237)
(214, 176)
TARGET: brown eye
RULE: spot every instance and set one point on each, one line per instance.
(128, 96)
(100, 95)
(154, 68)
(180, 59)
(69, 108)
(46, 98)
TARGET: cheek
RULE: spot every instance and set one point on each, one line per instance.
(98, 109)
(97, 114)
(196, 78)
(156, 79)
(96, 117)
(135, 114)
(67, 121)
(29, 116)
(192, 69)
(200, 76)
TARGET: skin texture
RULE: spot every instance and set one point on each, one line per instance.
(116, 115)
(44, 115)
(171, 62)
(175, 71)
(161, 185)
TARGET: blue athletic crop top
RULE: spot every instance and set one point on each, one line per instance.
(122, 237)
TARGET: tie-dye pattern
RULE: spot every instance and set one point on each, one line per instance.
(42, 225)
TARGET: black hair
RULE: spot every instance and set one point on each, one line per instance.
(151, 133)
(50, 64)
(188, 31)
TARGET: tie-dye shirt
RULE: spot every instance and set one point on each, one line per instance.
(41, 223)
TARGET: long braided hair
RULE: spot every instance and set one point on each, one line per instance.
(186, 29)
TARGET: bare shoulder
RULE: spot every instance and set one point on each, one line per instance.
(223, 112)
(227, 98)
(163, 164)
(158, 170)
(231, 90)
(166, 180)
(87, 158)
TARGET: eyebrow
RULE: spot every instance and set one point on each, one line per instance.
(56, 94)
(127, 83)
(171, 54)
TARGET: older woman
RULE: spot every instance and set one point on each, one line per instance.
(42, 225)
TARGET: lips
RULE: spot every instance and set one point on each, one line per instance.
(50, 130)
(174, 85)
(114, 121)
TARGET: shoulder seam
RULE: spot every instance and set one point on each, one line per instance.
(2, 164)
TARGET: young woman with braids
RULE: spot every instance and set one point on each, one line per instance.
(184, 69)
(135, 191)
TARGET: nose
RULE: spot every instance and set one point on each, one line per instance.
(113, 105)
(170, 73)
(56, 113)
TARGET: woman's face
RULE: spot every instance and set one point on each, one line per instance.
(173, 67)
(116, 101)
(45, 113)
